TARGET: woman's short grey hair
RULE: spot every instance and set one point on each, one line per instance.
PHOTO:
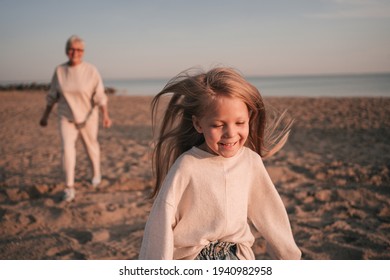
(72, 39)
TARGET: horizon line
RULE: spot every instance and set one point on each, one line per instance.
(252, 76)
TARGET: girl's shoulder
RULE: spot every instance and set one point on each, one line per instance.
(183, 160)
(248, 152)
(193, 158)
(252, 155)
(189, 157)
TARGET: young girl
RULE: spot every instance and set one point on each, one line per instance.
(212, 189)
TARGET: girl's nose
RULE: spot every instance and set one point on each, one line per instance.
(229, 132)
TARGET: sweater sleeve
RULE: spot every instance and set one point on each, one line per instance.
(52, 96)
(269, 216)
(157, 243)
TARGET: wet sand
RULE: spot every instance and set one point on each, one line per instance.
(333, 175)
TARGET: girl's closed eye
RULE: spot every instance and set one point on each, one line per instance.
(217, 125)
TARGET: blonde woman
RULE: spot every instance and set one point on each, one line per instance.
(210, 177)
(78, 89)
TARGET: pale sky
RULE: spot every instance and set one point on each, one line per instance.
(146, 39)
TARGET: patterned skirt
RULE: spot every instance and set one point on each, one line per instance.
(218, 250)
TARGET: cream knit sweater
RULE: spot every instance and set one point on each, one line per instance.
(73, 88)
(206, 198)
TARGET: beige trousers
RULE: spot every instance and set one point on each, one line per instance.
(89, 135)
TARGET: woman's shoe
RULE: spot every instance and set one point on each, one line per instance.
(96, 181)
(69, 194)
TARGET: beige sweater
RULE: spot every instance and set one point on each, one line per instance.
(74, 87)
(206, 198)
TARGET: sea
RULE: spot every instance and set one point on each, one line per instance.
(351, 85)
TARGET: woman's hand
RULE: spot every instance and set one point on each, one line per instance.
(43, 122)
(107, 122)
(46, 114)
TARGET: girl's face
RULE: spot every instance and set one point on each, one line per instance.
(225, 126)
(75, 53)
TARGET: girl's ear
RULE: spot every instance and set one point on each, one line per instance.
(196, 124)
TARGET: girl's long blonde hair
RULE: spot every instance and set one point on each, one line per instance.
(190, 95)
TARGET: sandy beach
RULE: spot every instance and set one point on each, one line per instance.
(333, 175)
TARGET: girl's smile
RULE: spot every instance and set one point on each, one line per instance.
(228, 145)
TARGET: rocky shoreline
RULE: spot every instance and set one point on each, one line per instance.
(38, 87)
